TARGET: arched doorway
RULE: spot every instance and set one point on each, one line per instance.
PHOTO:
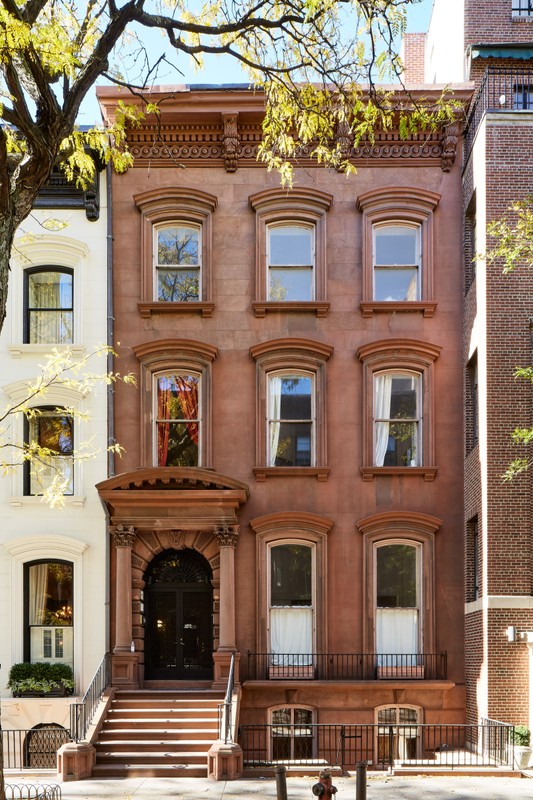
(178, 617)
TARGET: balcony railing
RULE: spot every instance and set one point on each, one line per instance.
(382, 746)
(502, 89)
(346, 666)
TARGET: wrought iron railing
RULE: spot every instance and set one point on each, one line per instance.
(32, 791)
(33, 749)
(502, 89)
(382, 746)
(346, 666)
(82, 713)
(225, 729)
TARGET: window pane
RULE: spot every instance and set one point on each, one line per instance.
(50, 594)
(178, 245)
(296, 397)
(178, 285)
(396, 245)
(53, 432)
(290, 284)
(395, 284)
(48, 327)
(293, 444)
(291, 575)
(49, 290)
(178, 421)
(291, 245)
(396, 576)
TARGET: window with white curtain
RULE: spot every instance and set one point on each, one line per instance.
(291, 259)
(49, 611)
(177, 259)
(290, 419)
(396, 259)
(398, 623)
(291, 604)
(48, 301)
(397, 419)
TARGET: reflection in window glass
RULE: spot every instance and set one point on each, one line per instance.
(50, 611)
(49, 311)
(290, 420)
(178, 263)
(53, 432)
(290, 575)
(290, 261)
(177, 420)
(396, 263)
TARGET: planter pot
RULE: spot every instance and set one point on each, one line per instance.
(522, 757)
(61, 692)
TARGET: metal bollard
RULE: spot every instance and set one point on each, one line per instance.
(281, 782)
(360, 781)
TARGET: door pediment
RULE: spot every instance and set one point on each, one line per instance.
(165, 496)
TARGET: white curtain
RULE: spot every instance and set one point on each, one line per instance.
(382, 398)
(291, 635)
(38, 593)
(274, 411)
(397, 636)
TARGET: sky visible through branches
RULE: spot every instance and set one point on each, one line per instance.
(217, 69)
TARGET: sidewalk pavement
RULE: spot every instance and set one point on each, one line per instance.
(379, 787)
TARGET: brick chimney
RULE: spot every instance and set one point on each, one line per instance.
(413, 57)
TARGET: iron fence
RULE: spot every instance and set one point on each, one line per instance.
(35, 748)
(502, 89)
(82, 713)
(346, 666)
(382, 746)
(32, 791)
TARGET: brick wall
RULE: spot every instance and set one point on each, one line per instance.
(413, 57)
(490, 21)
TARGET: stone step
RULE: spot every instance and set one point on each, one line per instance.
(160, 723)
(160, 734)
(153, 745)
(167, 713)
(141, 757)
(149, 771)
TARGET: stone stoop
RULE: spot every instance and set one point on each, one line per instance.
(158, 733)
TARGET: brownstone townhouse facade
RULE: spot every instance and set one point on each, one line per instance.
(291, 490)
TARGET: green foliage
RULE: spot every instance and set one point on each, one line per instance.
(62, 370)
(40, 677)
(522, 736)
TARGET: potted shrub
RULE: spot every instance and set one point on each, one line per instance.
(522, 749)
(41, 680)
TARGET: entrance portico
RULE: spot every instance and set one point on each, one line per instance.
(153, 513)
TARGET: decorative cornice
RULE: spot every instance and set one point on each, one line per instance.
(227, 535)
(122, 536)
(228, 144)
(231, 141)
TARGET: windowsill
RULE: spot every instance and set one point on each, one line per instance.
(261, 307)
(146, 309)
(72, 500)
(263, 473)
(371, 307)
(427, 473)
(18, 350)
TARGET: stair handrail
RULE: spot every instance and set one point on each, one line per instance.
(81, 713)
(225, 729)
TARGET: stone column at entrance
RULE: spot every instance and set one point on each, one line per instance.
(124, 661)
(227, 536)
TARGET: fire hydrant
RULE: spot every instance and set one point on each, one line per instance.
(324, 788)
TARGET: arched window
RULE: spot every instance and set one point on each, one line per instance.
(292, 734)
(51, 430)
(48, 306)
(291, 259)
(398, 729)
(178, 420)
(291, 607)
(177, 262)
